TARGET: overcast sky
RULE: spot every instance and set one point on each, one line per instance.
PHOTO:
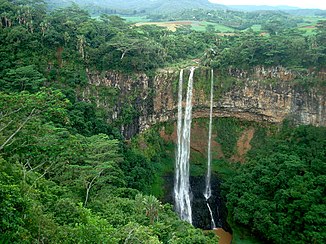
(296, 3)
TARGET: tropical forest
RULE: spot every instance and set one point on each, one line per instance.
(161, 121)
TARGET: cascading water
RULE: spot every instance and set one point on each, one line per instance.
(211, 214)
(208, 190)
(178, 154)
(182, 185)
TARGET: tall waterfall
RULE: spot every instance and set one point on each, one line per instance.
(182, 185)
(208, 190)
(178, 155)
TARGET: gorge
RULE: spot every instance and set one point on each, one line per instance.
(108, 134)
(263, 95)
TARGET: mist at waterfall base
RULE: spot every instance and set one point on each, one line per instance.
(204, 209)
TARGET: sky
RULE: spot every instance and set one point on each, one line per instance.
(296, 3)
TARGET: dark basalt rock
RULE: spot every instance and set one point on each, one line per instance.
(200, 213)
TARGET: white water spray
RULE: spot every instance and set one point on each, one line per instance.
(182, 185)
(208, 189)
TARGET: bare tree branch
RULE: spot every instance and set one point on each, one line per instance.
(19, 128)
(45, 171)
(129, 236)
(32, 169)
(89, 185)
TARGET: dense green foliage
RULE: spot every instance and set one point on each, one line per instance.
(66, 176)
(34, 209)
(228, 140)
(288, 48)
(59, 186)
(280, 193)
(67, 40)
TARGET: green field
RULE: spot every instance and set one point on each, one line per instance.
(203, 25)
(256, 28)
(135, 19)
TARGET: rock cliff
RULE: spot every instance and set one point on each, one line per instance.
(270, 95)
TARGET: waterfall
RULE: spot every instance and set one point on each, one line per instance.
(182, 185)
(208, 190)
(212, 218)
(179, 134)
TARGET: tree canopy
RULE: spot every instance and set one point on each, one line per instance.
(279, 193)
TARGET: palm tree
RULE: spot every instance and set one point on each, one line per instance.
(152, 207)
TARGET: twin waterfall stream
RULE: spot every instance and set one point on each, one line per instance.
(208, 190)
(182, 191)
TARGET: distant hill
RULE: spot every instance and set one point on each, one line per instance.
(307, 12)
(148, 6)
(261, 7)
(170, 6)
(287, 9)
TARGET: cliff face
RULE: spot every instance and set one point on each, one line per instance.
(270, 95)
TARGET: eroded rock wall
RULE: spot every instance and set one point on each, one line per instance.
(270, 95)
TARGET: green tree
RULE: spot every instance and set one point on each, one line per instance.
(100, 167)
(138, 171)
(23, 78)
(12, 206)
(20, 109)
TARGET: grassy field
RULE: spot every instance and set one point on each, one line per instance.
(195, 25)
(256, 28)
(135, 19)
(202, 26)
(171, 25)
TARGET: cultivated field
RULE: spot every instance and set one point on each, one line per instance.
(195, 25)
